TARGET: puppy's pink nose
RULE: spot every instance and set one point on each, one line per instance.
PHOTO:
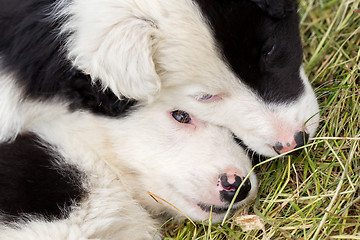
(300, 139)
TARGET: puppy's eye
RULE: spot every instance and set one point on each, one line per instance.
(205, 97)
(269, 50)
(181, 116)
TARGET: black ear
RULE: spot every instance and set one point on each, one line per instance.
(277, 8)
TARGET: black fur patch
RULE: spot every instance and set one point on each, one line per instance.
(277, 8)
(31, 47)
(31, 184)
(254, 156)
(260, 40)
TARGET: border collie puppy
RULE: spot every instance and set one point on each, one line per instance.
(106, 102)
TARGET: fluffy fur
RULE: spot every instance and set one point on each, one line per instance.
(119, 99)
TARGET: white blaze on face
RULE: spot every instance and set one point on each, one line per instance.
(180, 162)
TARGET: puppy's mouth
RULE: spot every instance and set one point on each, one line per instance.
(205, 207)
(215, 209)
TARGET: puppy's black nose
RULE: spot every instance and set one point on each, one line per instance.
(229, 188)
(301, 138)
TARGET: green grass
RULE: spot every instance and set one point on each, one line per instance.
(314, 195)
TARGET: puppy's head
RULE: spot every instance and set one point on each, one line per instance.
(192, 167)
(237, 64)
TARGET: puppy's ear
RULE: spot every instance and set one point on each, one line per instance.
(117, 50)
(277, 8)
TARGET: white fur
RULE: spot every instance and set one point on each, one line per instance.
(114, 41)
(112, 38)
(10, 98)
(123, 160)
(108, 213)
(162, 53)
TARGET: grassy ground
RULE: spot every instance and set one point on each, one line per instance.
(314, 195)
